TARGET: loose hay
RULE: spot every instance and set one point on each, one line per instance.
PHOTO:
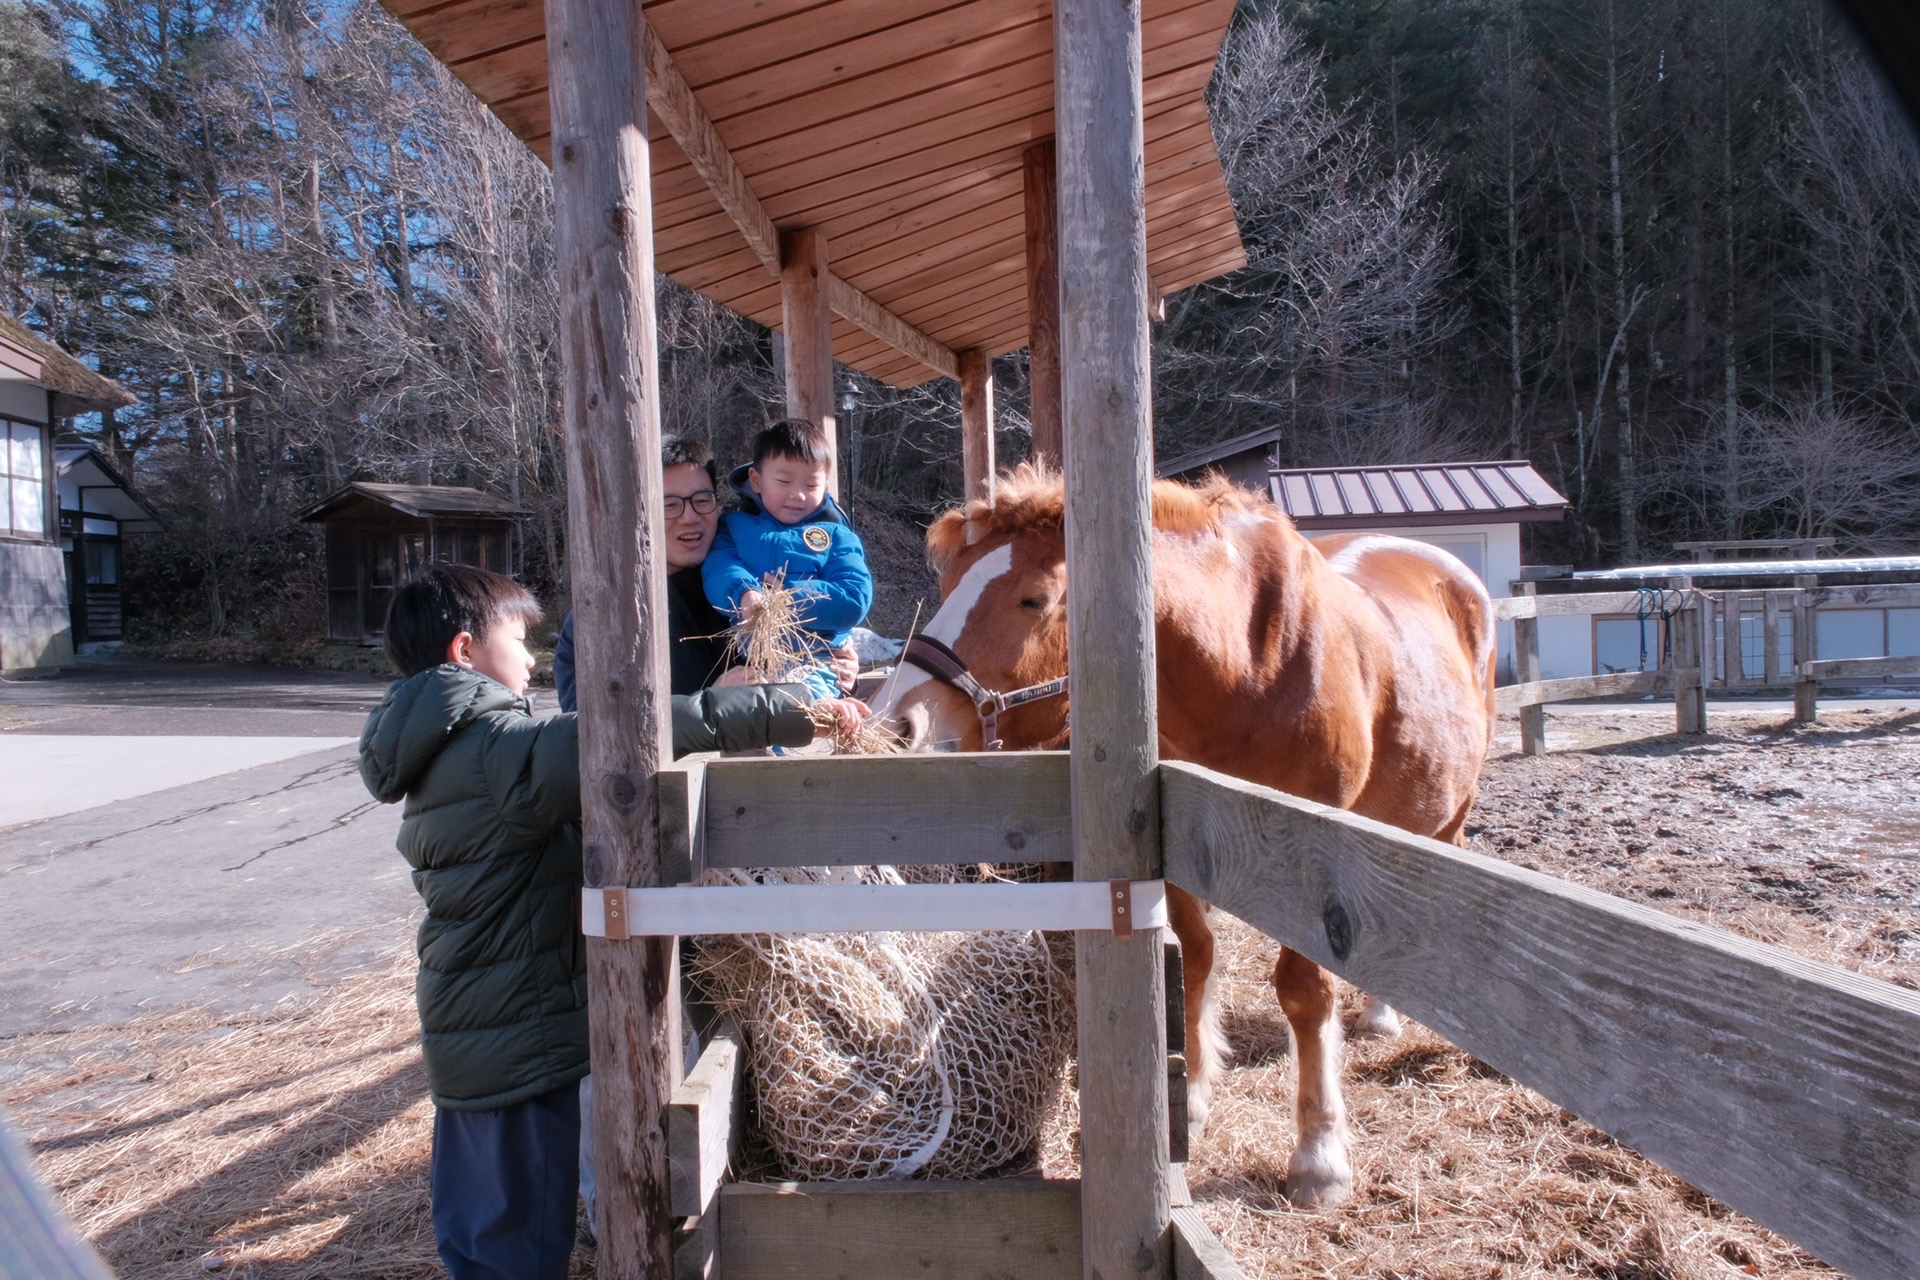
(772, 643)
(893, 1055)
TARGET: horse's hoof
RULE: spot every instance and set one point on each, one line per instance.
(1379, 1021)
(1319, 1177)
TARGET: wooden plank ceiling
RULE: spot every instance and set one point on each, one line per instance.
(894, 126)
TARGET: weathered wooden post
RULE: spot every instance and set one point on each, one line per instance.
(1526, 671)
(1043, 301)
(1806, 689)
(603, 250)
(806, 324)
(1105, 399)
(1689, 671)
(976, 423)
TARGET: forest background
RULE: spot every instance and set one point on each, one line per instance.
(1670, 254)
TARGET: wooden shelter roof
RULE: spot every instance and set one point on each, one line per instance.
(421, 501)
(895, 127)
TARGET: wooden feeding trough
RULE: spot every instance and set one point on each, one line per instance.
(912, 187)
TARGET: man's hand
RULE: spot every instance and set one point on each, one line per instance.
(750, 604)
(733, 677)
(845, 665)
(848, 714)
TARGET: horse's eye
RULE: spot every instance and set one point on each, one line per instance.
(1033, 604)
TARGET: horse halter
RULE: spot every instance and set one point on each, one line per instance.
(946, 666)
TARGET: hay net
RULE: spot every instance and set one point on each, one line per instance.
(890, 1055)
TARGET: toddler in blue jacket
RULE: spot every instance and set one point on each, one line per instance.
(788, 522)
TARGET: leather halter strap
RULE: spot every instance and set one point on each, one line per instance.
(946, 666)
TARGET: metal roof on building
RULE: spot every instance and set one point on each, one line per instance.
(418, 500)
(896, 130)
(1449, 493)
(1755, 568)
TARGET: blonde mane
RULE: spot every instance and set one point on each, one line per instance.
(1032, 498)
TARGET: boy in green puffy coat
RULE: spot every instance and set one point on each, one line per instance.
(491, 829)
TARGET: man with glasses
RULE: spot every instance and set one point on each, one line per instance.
(696, 631)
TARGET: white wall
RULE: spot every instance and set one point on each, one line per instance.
(22, 398)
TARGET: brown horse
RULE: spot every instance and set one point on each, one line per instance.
(1357, 671)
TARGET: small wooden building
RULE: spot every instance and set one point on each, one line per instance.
(379, 535)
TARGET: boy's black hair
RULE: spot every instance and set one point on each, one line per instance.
(429, 611)
(684, 451)
(795, 438)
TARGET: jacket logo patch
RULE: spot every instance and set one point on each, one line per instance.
(816, 538)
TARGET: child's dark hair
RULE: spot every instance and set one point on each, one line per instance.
(429, 611)
(795, 438)
(682, 451)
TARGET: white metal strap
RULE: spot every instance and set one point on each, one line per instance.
(868, 908)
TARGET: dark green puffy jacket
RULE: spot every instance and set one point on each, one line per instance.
(491, 829)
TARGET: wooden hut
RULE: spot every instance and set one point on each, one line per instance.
(379, 535)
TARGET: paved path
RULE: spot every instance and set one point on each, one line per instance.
(174, 835)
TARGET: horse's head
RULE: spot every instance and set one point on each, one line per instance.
(1003, 614)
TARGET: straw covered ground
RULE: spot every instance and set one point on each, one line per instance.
(294, 1145)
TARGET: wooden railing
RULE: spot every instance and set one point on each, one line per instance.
(1786, 1088)
(1696, 664)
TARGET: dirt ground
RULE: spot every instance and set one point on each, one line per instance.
(294, 1145)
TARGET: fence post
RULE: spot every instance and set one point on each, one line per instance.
(1526, 670)
(1806, 689)
(1689, 666)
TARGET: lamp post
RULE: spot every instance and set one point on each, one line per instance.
(846, 400)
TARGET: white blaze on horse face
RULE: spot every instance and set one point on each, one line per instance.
(949, 624)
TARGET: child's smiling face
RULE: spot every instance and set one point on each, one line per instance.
(789, 489)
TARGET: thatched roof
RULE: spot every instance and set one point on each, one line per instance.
(76, 388)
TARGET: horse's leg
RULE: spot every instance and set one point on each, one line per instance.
(1206, 1044)
(1318, 1172)
(1377, 1018)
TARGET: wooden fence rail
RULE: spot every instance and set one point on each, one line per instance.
(1786, 1088)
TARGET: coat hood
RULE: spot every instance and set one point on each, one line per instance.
(415, 720)
(829, 511)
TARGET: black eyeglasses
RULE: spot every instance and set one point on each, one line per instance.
(704, 503)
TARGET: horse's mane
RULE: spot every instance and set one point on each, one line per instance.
(1032, 498)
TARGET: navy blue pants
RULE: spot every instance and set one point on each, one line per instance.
(504, 1185)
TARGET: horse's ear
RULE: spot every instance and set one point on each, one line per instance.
(945, 539)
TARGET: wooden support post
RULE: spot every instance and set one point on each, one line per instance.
(1526, 670)
(1105, 401)
(806, 324)
(603, 250)
(976, 423)
(1733, 666)
(1806, 688)
(1043, 302)
(1689, 667)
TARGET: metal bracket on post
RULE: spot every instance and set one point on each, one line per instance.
(614, 907)
(1120, 897)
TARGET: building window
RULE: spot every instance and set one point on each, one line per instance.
(23, 479)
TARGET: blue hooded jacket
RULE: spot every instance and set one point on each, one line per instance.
(825, 563)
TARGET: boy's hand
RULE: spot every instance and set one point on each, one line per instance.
(845, 665)
(749, 604)
(848, 713)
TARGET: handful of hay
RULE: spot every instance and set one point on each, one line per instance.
(893, 1055)
(775, 648)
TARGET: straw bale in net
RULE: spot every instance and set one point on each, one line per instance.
(889, 1055)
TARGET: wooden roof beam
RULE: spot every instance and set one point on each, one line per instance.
(671, 99)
